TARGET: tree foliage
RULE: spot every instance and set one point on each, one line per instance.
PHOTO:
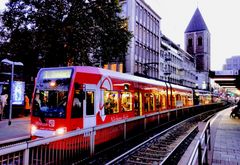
(63, 32)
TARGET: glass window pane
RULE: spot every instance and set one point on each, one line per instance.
(111, 102)
(126, 101)
(90, 103)
(50, 104)
(77, 108)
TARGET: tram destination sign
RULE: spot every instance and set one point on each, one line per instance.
(55, 74)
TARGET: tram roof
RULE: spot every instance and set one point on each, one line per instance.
(126, 76)
(181, 87)
(122, 76)
(202, 91)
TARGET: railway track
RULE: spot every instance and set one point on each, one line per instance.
(162, 147)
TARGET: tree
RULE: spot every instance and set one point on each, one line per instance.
(17, 36)
(112, 43)
(63, 32)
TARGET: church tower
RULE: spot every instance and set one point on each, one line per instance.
(197, 43)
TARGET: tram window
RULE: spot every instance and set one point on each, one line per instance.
(136, 101)
(173, 100)
(90, 103)
(158, 105)
(77, 108)
(149, 102)
(126, 101)
(146, 104)
(164, 100)
(179, 102)
(50, 103)
(111, 102)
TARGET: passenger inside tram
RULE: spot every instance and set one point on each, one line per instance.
(126, 101)
(77, 109)
(110, 103)
(37, 102)
(125, 106)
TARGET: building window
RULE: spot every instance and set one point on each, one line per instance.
(140, 54)
(148, 21)
(140, 15)
(153, 26)
(136, 67)
(144, 17)
(144, 36)
(137, 12)
(136, 53)
(124, 10)
(190, 42)
(140, 34)
(199, 41)
(136, 31)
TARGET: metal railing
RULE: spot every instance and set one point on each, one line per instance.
(200, 152)
(79, 145)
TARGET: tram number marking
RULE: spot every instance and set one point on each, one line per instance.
(51, 123)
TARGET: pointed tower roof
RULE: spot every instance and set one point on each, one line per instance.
(197, 23)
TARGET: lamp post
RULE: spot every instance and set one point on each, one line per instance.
(12, 63)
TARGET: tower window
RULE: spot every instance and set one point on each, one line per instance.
(190, 42)
(199, 41)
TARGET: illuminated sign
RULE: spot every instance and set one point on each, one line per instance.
(226, 72)
(55, 74)
(18, 92)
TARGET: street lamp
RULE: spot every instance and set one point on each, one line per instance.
(12, 63)
(204, 85)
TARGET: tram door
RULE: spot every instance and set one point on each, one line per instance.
(89, 106)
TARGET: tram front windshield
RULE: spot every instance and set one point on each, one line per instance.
(50, 99)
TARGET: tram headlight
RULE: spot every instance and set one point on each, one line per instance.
(33, 129)
(61, 131)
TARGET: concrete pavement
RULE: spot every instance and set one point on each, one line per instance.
(225, 140)
(20, 128)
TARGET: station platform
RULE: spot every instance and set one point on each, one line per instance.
(19, 129)
(225, 142)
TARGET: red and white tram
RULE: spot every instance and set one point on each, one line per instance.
(204, 97)
(70, 98)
